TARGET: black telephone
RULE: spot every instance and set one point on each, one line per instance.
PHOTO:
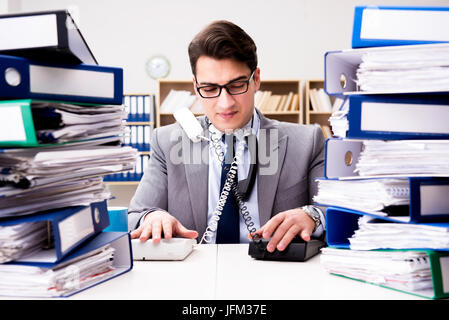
(297, 250)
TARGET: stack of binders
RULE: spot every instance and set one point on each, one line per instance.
(386, 180)
(61, 131)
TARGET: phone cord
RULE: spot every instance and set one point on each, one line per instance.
(230, 185)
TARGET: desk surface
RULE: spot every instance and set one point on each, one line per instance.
(228, 272)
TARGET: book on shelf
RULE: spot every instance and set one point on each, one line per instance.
(266, 101)
(320, 101)
(140, 107)
(177, 99)
(327, 132)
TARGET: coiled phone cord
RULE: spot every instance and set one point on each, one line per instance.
(230, 185)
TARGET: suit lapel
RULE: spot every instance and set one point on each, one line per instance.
(267, 180)
(196, 161)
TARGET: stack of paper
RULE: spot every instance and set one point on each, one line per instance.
(380, 234)
(28, 281)
(20, 240)
(404, 157)
(62, 122)
(402, 270)
(339, 119)
(364, 195)
(414, 69)
(46, 180)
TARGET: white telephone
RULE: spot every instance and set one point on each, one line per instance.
(189, 124)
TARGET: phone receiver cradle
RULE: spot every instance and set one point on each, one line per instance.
(297, 250)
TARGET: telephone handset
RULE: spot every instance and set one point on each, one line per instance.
(189, 124)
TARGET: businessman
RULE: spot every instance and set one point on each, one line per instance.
(274, 166)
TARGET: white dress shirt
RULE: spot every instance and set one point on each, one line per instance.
(243, 168)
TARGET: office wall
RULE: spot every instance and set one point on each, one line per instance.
(292, 35)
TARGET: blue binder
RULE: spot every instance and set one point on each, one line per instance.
(25, 79)
(341, 224)
(340, 157)
(122, 263)
(389, 26)
(391, 117)
(70, 226)
(428, 199)
(340, 70)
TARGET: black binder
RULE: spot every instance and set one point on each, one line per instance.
(47, 36)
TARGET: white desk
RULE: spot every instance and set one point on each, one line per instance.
(228, 272)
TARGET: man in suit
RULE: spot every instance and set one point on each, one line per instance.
(179, 194)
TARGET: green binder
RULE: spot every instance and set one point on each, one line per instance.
(16, 124)
(439, 269)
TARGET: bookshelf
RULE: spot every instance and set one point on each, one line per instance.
(276, 87)
(140, 124)
(318, 105)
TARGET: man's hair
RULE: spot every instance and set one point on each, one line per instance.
(223, 40)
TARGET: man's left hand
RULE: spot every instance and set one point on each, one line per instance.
(284, 226)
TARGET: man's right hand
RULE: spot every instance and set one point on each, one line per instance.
(159, 221)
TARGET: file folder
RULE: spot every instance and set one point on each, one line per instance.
(386, 158)
(25, 123)
(75, 283)
(340, 69)
(427, 196)
(391, 117)
(70, 227)
(389, 26)
(26, 79)
(437, 262)
(341, 223)
(50, 36)
(340, 157)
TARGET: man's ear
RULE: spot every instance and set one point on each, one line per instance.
(194, 87)
(256, 79)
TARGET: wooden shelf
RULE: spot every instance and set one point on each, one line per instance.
(122, 183)
(280, 87)
(316, 117)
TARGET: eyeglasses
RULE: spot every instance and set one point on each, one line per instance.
(214, 90)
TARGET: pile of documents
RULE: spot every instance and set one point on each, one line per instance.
(62, 122)
(401, 270)
(404, 157)
(363, 194)
(374, 234)
(386, 182)
(32, 281)
(60, 134)
(411, 69)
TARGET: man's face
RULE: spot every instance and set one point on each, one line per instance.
(226, 112)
